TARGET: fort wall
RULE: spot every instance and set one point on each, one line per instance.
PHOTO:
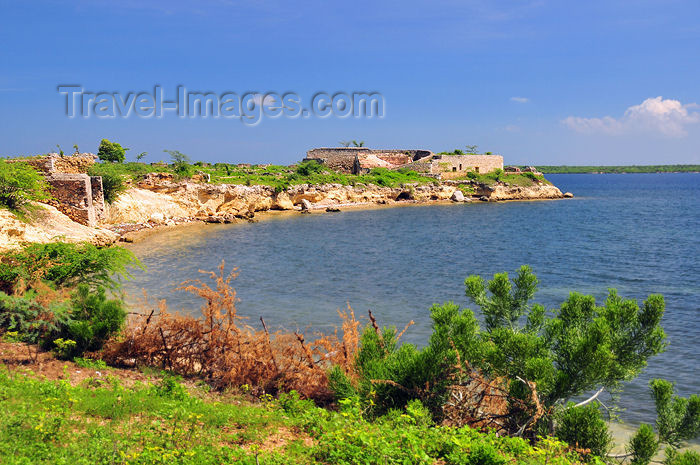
(77, 195)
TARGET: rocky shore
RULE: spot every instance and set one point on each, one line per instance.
(157, 201)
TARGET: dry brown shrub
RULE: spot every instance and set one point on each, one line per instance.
(485, 403)
(220, 348)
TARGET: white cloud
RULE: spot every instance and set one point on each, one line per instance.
(519, 99)
(664, 116)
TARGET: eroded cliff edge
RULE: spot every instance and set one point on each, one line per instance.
(158, 200)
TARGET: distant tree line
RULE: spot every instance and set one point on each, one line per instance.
(554, 169)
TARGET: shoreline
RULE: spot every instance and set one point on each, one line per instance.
(147, 230)
(156, 204)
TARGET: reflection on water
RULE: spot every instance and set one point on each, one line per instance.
(637, 233)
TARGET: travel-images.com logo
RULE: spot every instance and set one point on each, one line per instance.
(249, 107)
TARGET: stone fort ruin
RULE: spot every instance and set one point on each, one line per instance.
(75, 193)
(360, 160)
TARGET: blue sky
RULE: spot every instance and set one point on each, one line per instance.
(541, 82)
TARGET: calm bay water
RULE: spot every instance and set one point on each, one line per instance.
(638, 233)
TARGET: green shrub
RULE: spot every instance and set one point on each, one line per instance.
(689, 457)
(393, 375)
(584, 428)
(309, 168)
(111, 152)
(70, 328)
(181, 163)
(20, 183)
(112, 179)
(93, 319)
(566, 352)
(293, 404)
(64, 347)
(643, 445)
(62, 264)
(170, 386)
(184, 170)
(31, 321)
(93, 364)
(677, 418)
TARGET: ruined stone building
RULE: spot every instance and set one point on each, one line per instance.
(360, 160)
(75, 193)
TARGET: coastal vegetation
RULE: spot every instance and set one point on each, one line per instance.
(537, 363)
(20, 184)
(113, 177)
(491, 392)
(523, 179)
(550, 169)
(57, 295)
(104, 420)
(468, 150)
(111, 152)
(116, 176)
(493, 386)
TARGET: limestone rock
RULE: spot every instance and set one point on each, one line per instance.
(568, 195)
(47, 224)
(457, 196)
(305, 205)
(283, 202)
(139, 205)
(157, 217)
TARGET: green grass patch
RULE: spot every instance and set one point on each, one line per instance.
(526, 179)
(101, 422)
(277, 176)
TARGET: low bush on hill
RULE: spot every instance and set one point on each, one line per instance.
(533, 361)
(56, 295)
(60, 264)
(71, 327)
(113, 179)
(20, 184)
(526, 179)
(111, 152)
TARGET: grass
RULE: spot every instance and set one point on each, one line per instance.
(277, 176)
(101, 421)
(282, 177)
(512, 179)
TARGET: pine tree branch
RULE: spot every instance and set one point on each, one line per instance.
(590, 399)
